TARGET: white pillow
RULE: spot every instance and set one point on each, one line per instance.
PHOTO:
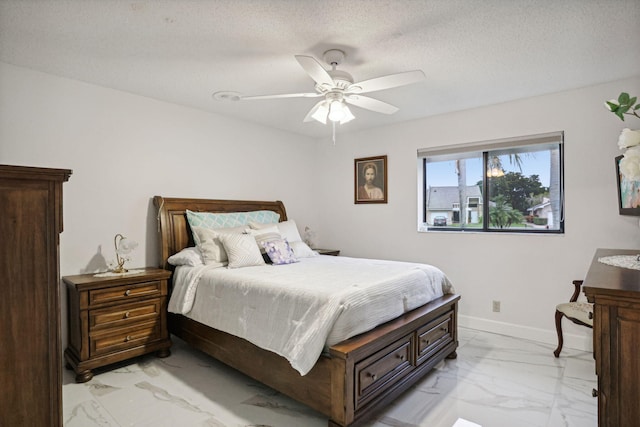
(188, 256)
(266, 234)
(288, 229)
(241, 250)
(208, 242)
(302, 250)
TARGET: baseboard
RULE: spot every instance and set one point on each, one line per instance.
(575, 337)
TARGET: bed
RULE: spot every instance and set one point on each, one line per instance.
(352, 379)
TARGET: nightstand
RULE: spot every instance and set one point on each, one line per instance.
(115, 318)
(334, 252)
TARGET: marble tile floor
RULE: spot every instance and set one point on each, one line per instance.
(496, 381)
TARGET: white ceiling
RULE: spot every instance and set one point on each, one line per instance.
(473, 52)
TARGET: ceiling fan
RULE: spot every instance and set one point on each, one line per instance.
(337, 89)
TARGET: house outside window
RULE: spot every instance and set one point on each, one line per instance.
(513, 185)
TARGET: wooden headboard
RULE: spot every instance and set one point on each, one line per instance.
(175, 234)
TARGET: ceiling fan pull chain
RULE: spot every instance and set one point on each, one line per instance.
(334, 133)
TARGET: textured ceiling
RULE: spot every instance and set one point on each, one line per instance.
(472, 52)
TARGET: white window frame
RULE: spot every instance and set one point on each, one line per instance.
(462, 150)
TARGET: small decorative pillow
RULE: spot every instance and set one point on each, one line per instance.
(302, 250)
(279, 252)
(188, 256)
(242, 250)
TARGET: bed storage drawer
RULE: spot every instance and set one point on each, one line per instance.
(433, 336)
(381, 370)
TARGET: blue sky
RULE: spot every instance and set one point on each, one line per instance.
(444, 173)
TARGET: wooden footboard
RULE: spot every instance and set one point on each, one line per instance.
(359, 375)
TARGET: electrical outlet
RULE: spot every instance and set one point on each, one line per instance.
(496, 306)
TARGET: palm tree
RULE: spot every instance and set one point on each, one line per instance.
(502, 215)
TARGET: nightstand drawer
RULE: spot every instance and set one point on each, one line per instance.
(124, 292)
(124, 315)
(120, 340)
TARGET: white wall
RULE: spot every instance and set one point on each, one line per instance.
(529, 274)
(124, 149)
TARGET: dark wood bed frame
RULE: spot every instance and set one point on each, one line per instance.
(358, 376)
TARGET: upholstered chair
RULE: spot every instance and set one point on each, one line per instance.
(580, 313)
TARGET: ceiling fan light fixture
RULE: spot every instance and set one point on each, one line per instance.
(348, 116)
(337, 111)
(321, 113)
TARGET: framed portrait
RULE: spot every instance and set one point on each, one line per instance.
(628, 193)
(370, 179)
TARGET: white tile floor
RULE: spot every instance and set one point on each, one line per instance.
(496, 381)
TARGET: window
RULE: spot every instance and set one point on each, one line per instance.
(513, 185)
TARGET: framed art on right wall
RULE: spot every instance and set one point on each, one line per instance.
(628, 193)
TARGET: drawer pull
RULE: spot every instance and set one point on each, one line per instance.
(126, 315)
(128, 338)
(594, 392)
(401, 357)
(127, 292)
(427, 342)
(374, 377)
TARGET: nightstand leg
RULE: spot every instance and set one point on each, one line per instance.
(165, 352)
(84, 376)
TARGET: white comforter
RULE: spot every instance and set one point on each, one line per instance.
(295, 310)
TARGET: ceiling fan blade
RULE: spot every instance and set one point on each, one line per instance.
(315, 70)
(387, 82)
(284, 95)
(370, 104)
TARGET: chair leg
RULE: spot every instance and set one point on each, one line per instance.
(559, 316)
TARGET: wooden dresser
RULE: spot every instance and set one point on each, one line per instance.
(115, 318)
(615, 291)
(30, 353)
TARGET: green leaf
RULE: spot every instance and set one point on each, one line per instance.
(619, 114)
(632, 100)
(637, 107)
(623, 98)
(623, 109)
(613, 107)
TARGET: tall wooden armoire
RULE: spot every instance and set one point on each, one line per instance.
(30, 356)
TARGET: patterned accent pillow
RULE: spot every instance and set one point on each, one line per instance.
(233, 219)
(279, 252)
(241, 250)
(209, 244)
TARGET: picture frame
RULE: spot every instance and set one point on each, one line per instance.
(628, 193)
(370, 180)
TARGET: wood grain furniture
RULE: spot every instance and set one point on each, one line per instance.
(333, 252)
(116, 318)
(615, 293)
(580, 313)
(358, 376)
(30, 350)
